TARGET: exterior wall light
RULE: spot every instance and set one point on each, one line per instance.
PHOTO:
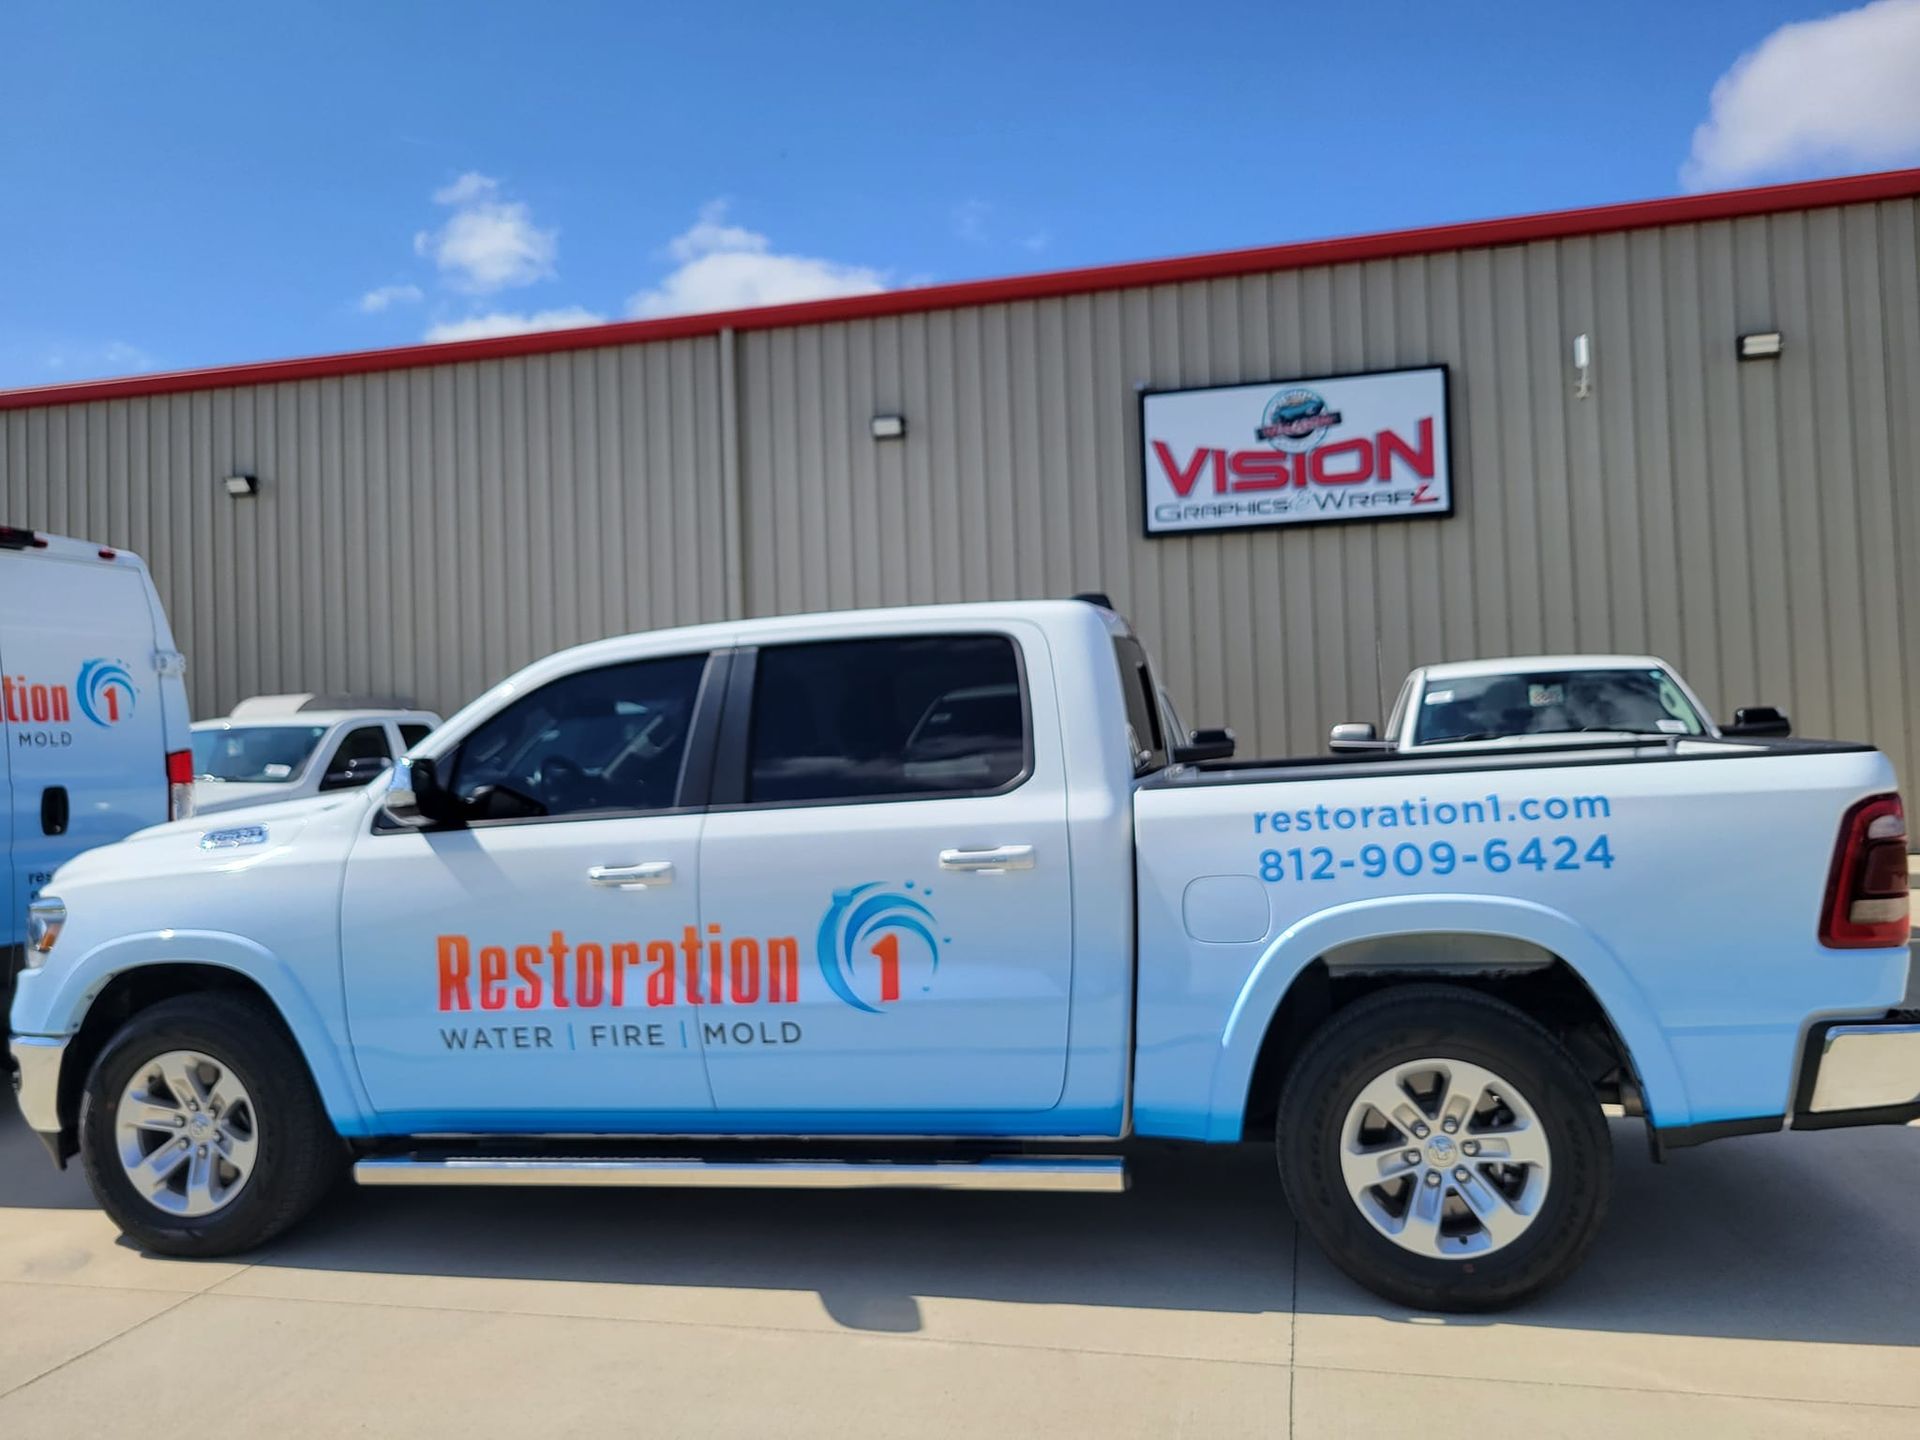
(241, 486)
(1763, 346)
(888, 427)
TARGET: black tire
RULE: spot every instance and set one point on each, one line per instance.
(1420, 1021)
(300, 1155)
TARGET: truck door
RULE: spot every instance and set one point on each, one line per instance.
(84, 723)
(527, 971)
(884, 882)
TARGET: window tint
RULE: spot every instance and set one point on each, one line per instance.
(602, 740)
(1145, 741)
(364, 742)
(412, 734)
(363, 752)
(857, 719)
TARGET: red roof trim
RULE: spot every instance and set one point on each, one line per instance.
(1559, 224)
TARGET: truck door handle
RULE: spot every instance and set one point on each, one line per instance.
(54, 812)
(1000, 857)
(632, 877)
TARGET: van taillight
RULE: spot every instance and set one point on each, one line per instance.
(179, 784)
(1867, 907)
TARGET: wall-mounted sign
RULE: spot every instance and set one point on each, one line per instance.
(1293, 452)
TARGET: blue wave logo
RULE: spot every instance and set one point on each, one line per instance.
(106, 692)
(860, 940)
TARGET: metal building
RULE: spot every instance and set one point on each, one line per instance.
(428, 519)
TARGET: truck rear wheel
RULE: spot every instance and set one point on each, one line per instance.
(200, 1130)
(1444, 1150)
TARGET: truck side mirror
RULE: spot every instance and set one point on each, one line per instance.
(416, 797)
(1759, 722)
(1354, 736)
(1205, 745)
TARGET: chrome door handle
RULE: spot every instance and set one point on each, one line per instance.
(632, 877)
(1000, 857)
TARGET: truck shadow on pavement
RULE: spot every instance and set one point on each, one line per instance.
(1795, 1237)
(1811, 1237)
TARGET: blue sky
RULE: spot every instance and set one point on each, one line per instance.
(198, 185)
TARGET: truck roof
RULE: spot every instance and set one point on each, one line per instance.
(1536, 664)
(722, 632)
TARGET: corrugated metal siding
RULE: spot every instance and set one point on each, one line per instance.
(429, 530)
(1748, 521)
(423, 531)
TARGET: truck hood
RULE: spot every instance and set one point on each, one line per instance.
(210, 796)
(219, 841)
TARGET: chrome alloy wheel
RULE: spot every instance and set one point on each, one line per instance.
(186, 1133)
(1445, 1159)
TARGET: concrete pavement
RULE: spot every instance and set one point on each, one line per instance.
(1757, 1286)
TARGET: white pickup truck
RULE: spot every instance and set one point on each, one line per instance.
(1523, 701)
(927, 897)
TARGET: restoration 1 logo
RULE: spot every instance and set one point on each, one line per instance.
(106, 692)
(871, 920)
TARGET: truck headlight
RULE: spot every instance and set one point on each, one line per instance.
(45, 917)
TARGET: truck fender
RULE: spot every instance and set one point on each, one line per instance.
(1552, 930)
(318, 1042)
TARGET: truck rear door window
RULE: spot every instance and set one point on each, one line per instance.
(895, 718)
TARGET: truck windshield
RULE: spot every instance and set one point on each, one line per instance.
(1568, 702)
(254, 754)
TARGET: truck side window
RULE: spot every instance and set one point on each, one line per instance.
(919, 716)
(361, 754)
(599, 741)
(1145, 740)
(412, 733)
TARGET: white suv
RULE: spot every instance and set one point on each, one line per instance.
(286, 747)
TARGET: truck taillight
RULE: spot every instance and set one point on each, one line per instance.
(1867, 906)
(179, 784)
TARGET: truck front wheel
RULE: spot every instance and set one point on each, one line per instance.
(200, 1129)
(1444, 1149)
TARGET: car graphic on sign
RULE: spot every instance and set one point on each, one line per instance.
(1295, 415)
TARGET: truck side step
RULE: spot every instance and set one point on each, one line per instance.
(1084, 1174)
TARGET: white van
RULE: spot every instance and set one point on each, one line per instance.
(95, 711)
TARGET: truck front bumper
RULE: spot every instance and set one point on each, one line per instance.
(1860, 1073)
(36, 1081)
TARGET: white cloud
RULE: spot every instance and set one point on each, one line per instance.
(500, 322)
(469, 187)
(711, 234)
(728, 267)
(385, 297)
(1038, 241)
(1837, 93)
(488, 243)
